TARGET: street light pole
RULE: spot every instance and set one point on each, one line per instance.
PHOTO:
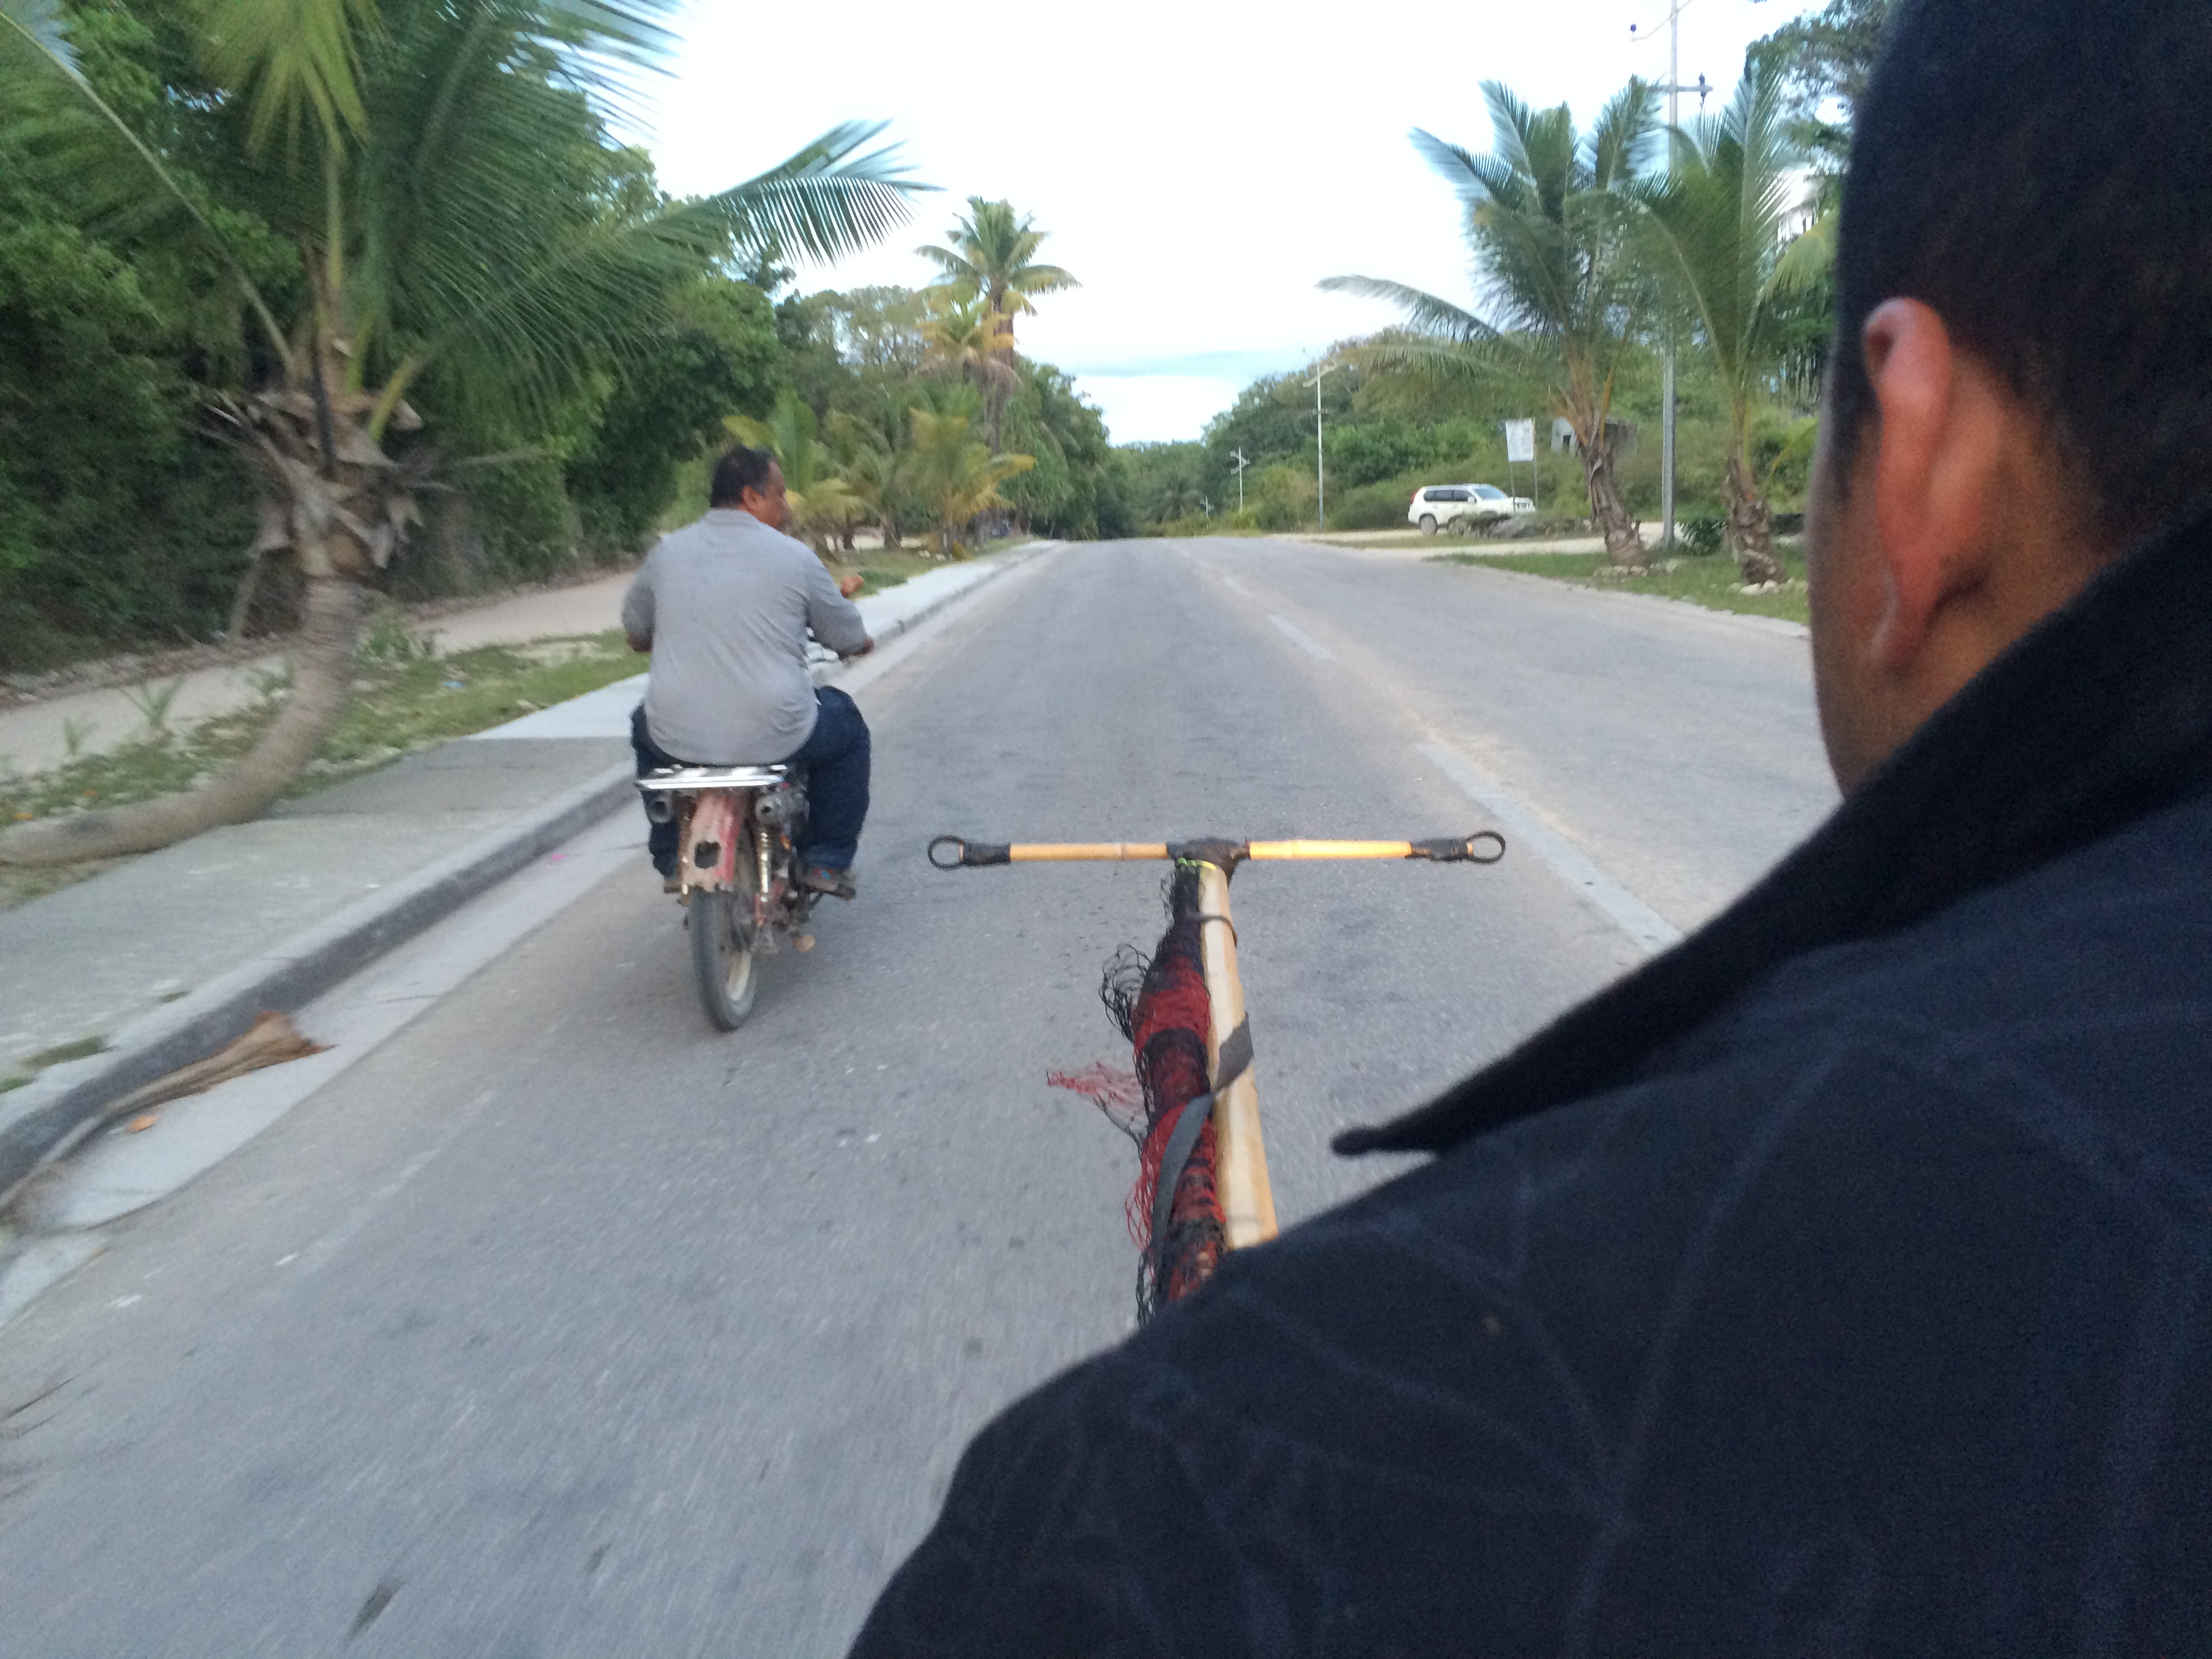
(1666, 386)
(1237, 455)
(1667, 391)
(1321, 478)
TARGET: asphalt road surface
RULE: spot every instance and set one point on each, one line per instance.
(560, 1325)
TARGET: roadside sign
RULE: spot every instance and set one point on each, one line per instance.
(1520, 440)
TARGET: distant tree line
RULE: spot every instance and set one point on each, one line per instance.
(913, 412)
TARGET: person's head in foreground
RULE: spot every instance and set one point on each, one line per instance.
(1841, 1283)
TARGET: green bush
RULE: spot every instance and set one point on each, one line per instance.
(1283, 496)
(1370, 506)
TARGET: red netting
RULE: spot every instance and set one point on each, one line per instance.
(1162, 1006)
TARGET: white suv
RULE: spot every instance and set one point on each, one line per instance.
(1440, 506)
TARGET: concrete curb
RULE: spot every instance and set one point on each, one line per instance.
(42, 1119)
(45, 1118)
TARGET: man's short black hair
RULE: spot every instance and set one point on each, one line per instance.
(740, 469)
(2039, 173)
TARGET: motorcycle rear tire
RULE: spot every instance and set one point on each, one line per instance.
(722, 957)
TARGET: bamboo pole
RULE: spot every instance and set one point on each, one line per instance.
(1328, 849)
(1074, 852)
(952, 852)
(1240, 1158)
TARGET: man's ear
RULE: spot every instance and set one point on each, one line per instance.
(1944, 424)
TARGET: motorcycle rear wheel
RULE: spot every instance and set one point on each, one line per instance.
(722, 957)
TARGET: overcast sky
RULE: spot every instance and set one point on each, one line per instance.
(1199, 165)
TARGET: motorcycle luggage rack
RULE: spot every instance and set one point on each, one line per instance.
(713, 777)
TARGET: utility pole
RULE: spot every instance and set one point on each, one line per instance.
(1321, 478)
(1674, 90)
(1667, 391)
(1237, 455)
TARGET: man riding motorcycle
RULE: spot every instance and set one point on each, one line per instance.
(724, 606)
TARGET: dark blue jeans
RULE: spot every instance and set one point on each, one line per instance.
(835, 759)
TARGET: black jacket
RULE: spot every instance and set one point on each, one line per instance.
(1840, 1282)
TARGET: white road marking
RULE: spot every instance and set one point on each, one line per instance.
(1524, 830)
(1304, 641)
(1236, 586)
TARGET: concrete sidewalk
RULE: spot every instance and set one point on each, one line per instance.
(36, 735)
(166, 957)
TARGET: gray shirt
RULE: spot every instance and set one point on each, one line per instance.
(726, 603)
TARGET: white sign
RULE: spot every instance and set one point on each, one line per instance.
(1520, 440)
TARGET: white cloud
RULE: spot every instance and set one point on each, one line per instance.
(1199, 165)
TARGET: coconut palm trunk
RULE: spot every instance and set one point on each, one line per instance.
(339, 508)
(1750, 532)
(322, 684)
(1609, 514)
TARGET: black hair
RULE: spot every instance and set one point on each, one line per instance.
(2039, 173)
(740, 469)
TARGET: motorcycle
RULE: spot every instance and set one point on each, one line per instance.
(737, 873)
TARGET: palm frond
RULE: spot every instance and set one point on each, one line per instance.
(1044, 279)
(37, 31)
(631, 31)
(1510, 120)
(43, 27)
(1621, 141)
(825, 202)
(290, 60)
(1475, 179)
(1494, 357)
(1808, 261)
(1424, 311)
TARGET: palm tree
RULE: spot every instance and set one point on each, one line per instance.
(874, 462)
(824, 506)
(1548, 214)
(404, 151)
(993, 257)
(956, 477)
(961, 336)
(1715, 233)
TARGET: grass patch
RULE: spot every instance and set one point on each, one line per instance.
(887, 566)
(1711, 582)
(404, 699)
(60, 1054)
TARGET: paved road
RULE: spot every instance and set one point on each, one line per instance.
(559, 1326)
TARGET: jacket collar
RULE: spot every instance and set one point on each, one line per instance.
(2100, 716)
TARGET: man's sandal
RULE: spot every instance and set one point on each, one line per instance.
(834, 884)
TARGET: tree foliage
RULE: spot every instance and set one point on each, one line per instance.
(425, 198)
(1822, 62)
(468, 241)
(1714, 229)
(1548, 211)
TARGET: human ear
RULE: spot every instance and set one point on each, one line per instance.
(1939, 453)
